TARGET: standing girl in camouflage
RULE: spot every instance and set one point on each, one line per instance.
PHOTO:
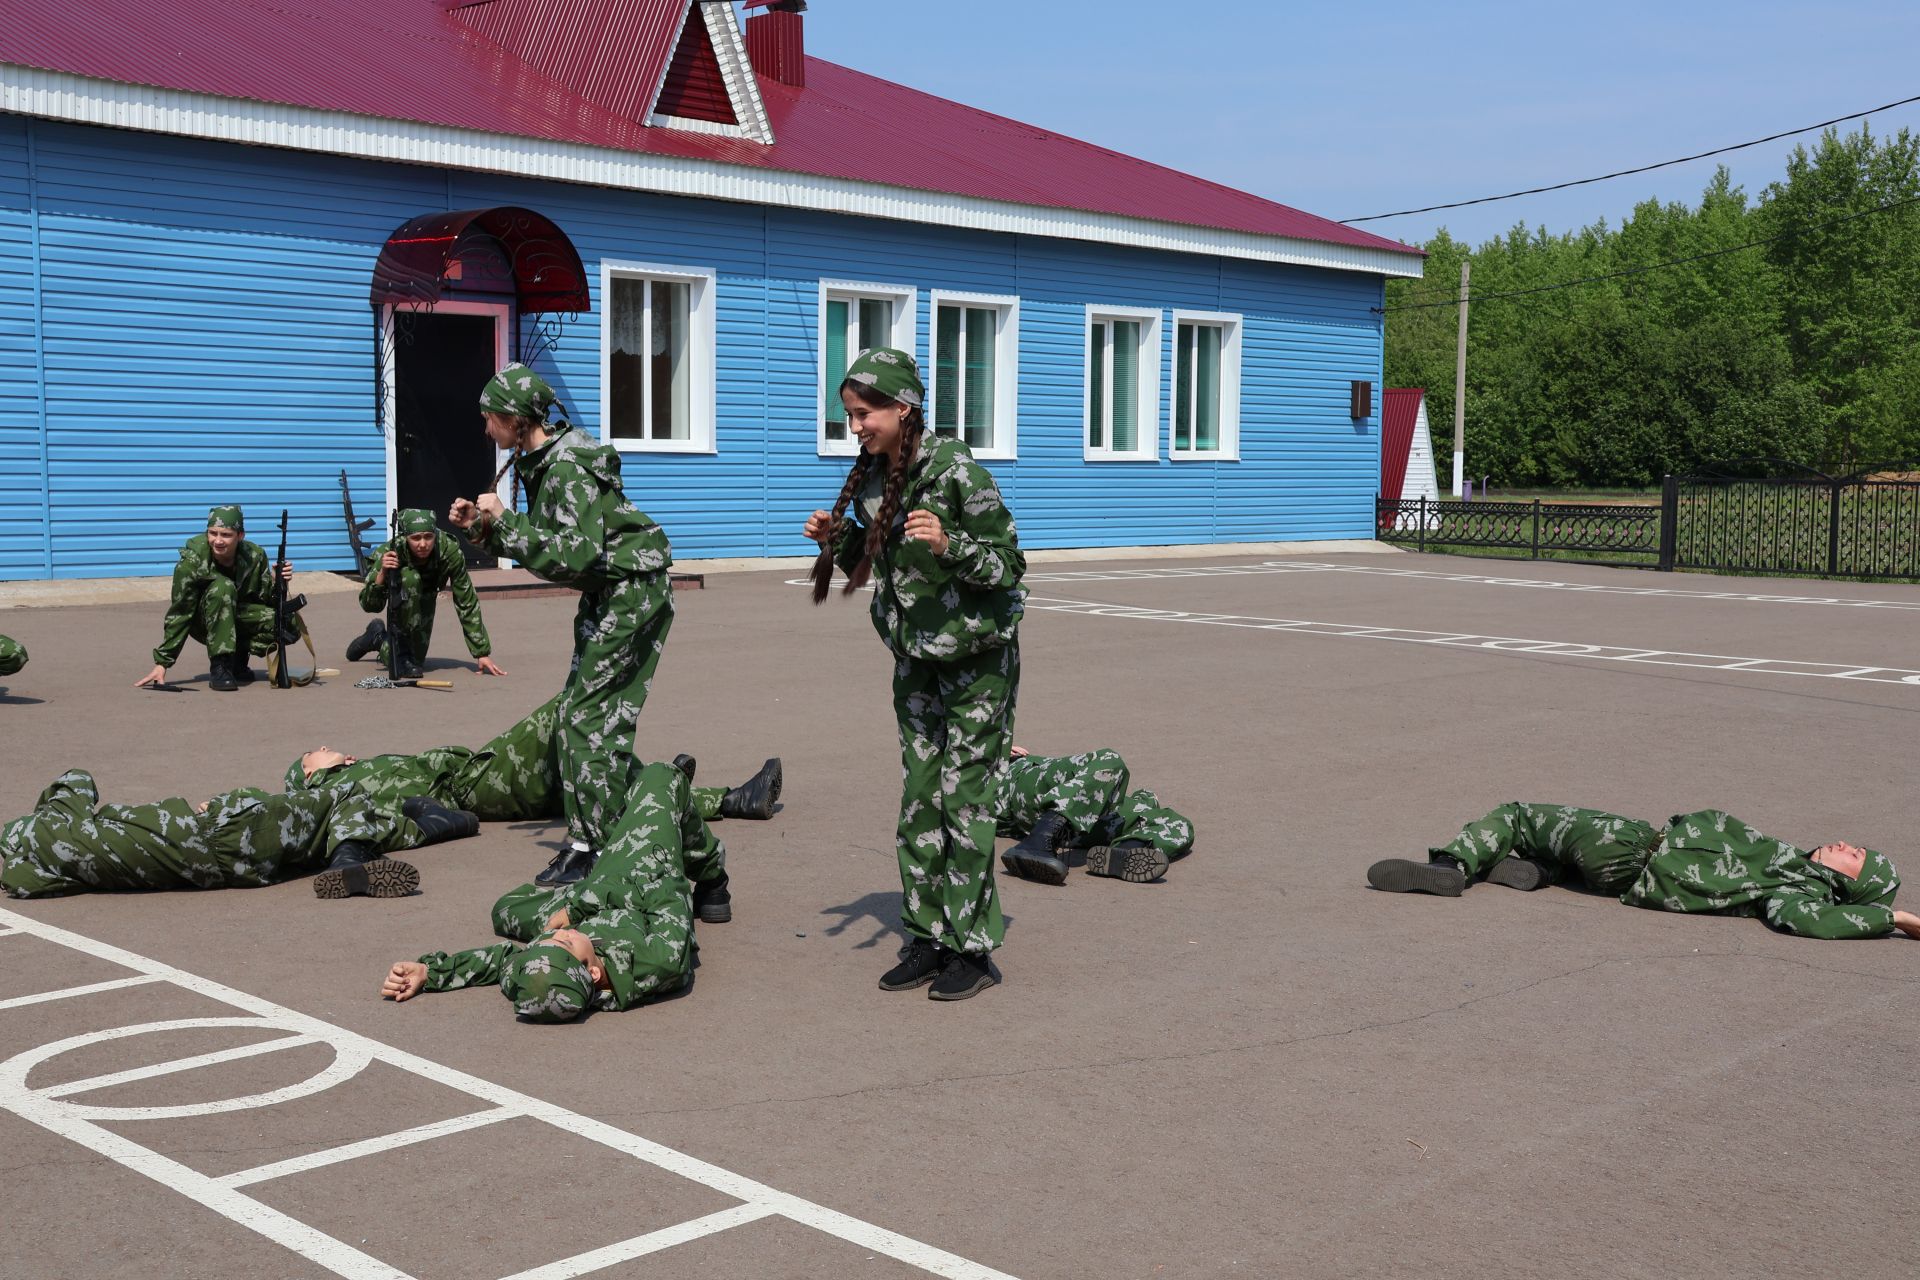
(939, 544)
(579, 530)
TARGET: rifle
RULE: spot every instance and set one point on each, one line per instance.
(354, 528)
(399, 658)
(281, 680)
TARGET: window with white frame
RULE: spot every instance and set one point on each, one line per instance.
(1122, 384)
(657, 358)
(975, 371)
(854, 317)
(1204, 420)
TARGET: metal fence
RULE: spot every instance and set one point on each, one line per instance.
(1865, 525)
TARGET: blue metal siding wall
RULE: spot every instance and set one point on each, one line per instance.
(207, 338)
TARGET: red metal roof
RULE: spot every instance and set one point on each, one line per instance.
(421, 61)
(1399, 415)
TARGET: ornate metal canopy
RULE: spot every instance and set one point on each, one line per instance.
(500, 251)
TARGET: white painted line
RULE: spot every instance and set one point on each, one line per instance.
(353, 1052)
(65, 993)
(652, 1242)
(1497, 644)
(1548, 584)
(175, 1066)
(368, 1147)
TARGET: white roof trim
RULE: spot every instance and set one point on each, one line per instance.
(59, 95)
(730, 50)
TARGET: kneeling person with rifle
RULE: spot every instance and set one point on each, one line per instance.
(224, 596)
(404, 579)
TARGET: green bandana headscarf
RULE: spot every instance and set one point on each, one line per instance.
(546, 984)
(415, 520)
(891, 372)
(519, 392)
(227, 517)
(1877, 884)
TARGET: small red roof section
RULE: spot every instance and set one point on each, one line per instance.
(584, 71)
(542, 268)
(1399, 414)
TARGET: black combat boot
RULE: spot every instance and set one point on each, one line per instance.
(712, 900)
(755, 797)
(243, 673)
(1526, 874)
(1038, 856)
(359, 870)
(220, 677)
(1135, 861)
(367, 641)
(920, 961)
(569, 866)
(437, 822)
(964, 976)
(1442, 875)
(686, 764)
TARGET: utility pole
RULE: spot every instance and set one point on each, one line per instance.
(1460, 387)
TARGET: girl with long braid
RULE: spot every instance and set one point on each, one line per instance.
(579, 530)
(925, 522)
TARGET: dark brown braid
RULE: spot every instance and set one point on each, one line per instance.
(912, 426)
(519, 449)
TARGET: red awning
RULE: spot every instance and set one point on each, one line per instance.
(500, 250)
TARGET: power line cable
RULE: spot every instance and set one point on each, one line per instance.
(1653, 266)
(1645, 168)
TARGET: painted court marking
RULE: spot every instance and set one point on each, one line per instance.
(56, 1109)
(1493, 644)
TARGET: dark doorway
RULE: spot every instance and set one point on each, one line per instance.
(441, 361)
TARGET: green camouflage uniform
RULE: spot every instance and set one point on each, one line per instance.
(13, 656)
(230, 610)
(1090, 792)
(445, 569)
(1707, 862)
(635, 905)
(513, 778)
(579, 530)
(71, 843)
(952, 623)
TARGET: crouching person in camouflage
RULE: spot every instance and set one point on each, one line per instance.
(621, 936)
(223, 597)
(1052, 804)
(428, 562)
(1708, 863)
(71, 843)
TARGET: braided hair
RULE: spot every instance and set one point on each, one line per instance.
(524, 425)
(913, 425)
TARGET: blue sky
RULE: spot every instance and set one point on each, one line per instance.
(1351, 109)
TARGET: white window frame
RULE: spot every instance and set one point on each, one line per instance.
(1232, 323)
(702, 333)
(1006, 365)
(906, 308)
(1146, 431)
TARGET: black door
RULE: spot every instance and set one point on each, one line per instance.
(440, 450)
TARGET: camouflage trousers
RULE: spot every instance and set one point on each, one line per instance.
(619, 634)
(13, 656)
(226, 626)
(1602, 850)
(1090, 791)
(956, 725)
(71, 843)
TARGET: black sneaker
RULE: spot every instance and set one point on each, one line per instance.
(921, 960)
(1038, 857)
(1403, 875)
(713, 901)
(220, 677)
(568, 866)
(367, 641)
(965, 976)
(437, 822)
(1134, 861)
(380, 878)
(1524, 874)
(754, 799)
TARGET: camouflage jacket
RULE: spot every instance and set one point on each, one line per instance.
(578, 530)
(445, 569)
(251, 573)
(1712, 862)
(954, 605)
